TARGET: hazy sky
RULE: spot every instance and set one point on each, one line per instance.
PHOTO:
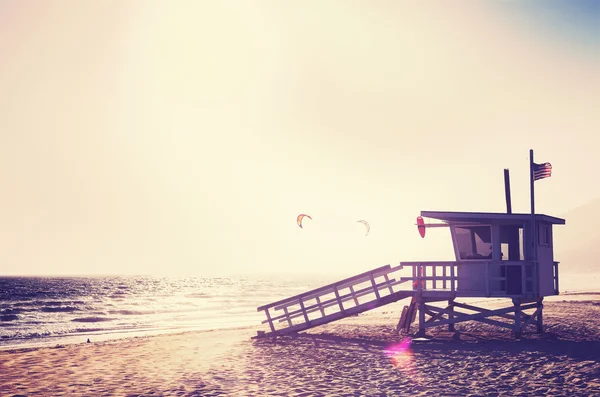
(183, 137)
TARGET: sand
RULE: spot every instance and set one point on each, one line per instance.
(352, 357)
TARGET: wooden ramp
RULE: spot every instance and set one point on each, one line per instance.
(332, 302)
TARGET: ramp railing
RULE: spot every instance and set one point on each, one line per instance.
(344, 298)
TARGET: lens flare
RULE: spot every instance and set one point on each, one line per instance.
(401, 355)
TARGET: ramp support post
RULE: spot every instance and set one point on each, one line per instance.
(540, 320)
(451, 314)
(517, 306)
(421, 304)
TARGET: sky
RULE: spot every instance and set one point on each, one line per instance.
(184, 137)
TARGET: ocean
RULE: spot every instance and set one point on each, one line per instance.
(55, 310)
(38, 311)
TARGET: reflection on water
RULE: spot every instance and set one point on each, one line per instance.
(34, 309)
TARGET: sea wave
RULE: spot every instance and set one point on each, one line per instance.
(198, 295)
(92, 319)
(60, 309)
(130, 312)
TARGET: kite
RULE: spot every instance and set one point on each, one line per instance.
(299, 219)
(366, 225)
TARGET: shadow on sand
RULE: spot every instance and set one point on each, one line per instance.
(549, 343)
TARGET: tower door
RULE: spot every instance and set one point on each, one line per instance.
(514, 280)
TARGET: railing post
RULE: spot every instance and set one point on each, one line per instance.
(517, 307)
(320, 307)
(374, 284)
(270, 321)
(444, 276)
(421, 332)
(287, 316)
(434, 275)
(337, 296)
(387, 280)
(453, 287)
(451, 315)
(353, 296)
(304, 312)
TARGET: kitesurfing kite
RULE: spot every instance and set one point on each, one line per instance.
(366, 225)
(299, 219)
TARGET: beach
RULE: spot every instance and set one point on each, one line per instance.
(357, 356)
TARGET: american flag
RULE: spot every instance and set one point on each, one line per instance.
(541, 171)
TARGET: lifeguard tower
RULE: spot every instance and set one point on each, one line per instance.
(497, 255)
(495, 258)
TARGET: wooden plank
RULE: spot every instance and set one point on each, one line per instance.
(401, 320)
(413, 314)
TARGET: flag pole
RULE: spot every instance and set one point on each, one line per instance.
(507, 191)
(533, 226)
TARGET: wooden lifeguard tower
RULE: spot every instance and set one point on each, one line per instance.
(497, 255)
(495, 258)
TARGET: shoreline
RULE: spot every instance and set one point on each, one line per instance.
(76, 339)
